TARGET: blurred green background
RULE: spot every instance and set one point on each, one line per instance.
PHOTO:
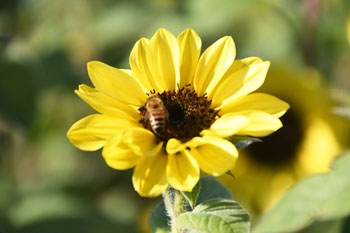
(47, 185)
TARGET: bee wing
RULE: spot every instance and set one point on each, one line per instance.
(147, 116)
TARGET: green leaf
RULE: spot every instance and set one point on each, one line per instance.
(241, 142)
(329, 226)
(321, 197)
(215, 216)
(158, 220)
(191, 197)
(211, 188)
(208, 188)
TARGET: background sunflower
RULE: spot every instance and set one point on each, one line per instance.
(46, 185)
(309, 140)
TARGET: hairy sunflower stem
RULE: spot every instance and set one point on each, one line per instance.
(175, 204)
(168, 202)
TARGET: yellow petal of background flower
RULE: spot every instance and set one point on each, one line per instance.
(215, 157)
(190, 48)
(140, 67)
(182, 171)
(240, 82)
(348, 29)
(227, 125)
(105, 104)
(149, 178)
(92, 132)
(117, 155)
(163, 59)
(258, 101)
(116, 83)
(261, 124)
(212, 65)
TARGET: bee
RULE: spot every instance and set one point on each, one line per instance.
(157, 115)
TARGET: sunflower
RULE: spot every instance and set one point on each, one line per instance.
(348, 29)
(307, 144)
(202, 100)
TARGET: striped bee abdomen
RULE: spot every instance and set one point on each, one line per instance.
(157, 122)
(157, 115)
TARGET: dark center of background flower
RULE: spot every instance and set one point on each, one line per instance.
(188, 114)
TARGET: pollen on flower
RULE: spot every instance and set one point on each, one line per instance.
(187, 114)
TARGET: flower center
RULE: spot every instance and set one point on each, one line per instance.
(180, 114)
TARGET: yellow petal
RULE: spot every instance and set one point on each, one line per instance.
(117, 155)
(116, 83)
(190, 48)
(163, 59)
(92, 132)
(212, 65)
(174, 145)
(348, 29)
(140, 67)
(141, 141)
(149, 178)
(258, 101)
(215, 157)
(105, 104)
(227, 125)
(234, 79)
(261, 124)
(124, 149)
(240, 82)
(182, 171)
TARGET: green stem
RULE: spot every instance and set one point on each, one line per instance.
(175, 204)
(168, 202)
